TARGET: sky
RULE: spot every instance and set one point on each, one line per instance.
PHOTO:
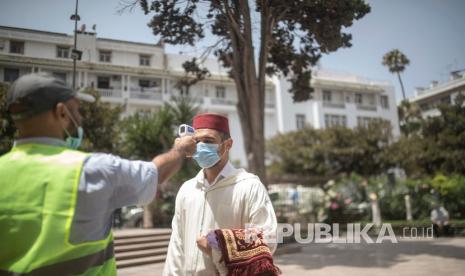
(431, 33)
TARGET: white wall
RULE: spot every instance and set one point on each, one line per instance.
(314, 110)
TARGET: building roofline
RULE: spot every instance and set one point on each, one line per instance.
(33, 31)
(130, 42)
(441, 88)
(66, 35)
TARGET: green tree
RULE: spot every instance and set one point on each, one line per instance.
(332, 151)
(184, 109)
(396, 61)
(437, 147)
(145, 135)
(444, 138)
(100, 122)
(7, 128)
(256, 38)
(409, 117)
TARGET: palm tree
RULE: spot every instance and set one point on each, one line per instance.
(396, 61)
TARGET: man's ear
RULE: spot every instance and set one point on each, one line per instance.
(60, 113)
(228, 144)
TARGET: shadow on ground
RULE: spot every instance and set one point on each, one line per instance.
(315, 256)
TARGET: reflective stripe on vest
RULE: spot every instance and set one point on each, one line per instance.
(39, 185)
(70, 267)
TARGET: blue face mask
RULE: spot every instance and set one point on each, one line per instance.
(206, 155)
(74, 142)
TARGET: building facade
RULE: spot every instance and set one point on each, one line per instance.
(139, 76)
(429, 98)
(143, 76)
(339, 99)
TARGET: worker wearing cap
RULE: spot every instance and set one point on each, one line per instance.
(56, 202)
(220, 196)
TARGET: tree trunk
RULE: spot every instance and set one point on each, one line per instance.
(149, 214)
(401, 85)
(251, 92)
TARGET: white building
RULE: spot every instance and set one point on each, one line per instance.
(339, 99)
(142, 76)
(139, 76)
(445, 93)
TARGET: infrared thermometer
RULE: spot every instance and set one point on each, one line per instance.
(185, 130)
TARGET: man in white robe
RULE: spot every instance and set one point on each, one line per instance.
(220, 196)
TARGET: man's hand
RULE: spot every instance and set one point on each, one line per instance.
(169, 163)
(186, 145)
(202, 244)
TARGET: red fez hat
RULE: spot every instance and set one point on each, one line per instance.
(211, 121)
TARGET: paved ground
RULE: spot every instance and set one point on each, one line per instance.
(418, 257)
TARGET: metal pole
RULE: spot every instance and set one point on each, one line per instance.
(75, 44)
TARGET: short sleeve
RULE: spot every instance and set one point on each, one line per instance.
(124, 181)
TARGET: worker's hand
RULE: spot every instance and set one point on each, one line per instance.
(202, 244)
(186, 145)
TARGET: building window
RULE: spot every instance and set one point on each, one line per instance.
(184, 91)
(103, 82)
(105, 56)
(425, 106)
(326, 96)
(366, 121)
(60, 75)
(62, 52)
(384, 101)
(10, 74)
(147, 83)
(144, 60)
(358, 98)
(2, 45)
(17, 47)
(332, 120)
(446, 100)
(371, 99)
(220, 92)
(300, 121)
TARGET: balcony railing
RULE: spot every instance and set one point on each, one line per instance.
(146, 95)
(366, 107)
(146, 89)
(333, 104)
(223, 101)
(110, 93)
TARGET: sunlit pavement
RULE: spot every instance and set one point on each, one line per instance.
(412, 257)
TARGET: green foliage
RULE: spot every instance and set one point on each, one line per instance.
(436, 145)
(409, 117)
(423, 193)
(101, 125)
(183, 109)
(7, 128)
(147, 134)
(396, 61)
(451, 190)
(331, 151)
(294, 34)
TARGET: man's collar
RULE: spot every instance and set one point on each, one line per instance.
(227, 170)
(40, 140)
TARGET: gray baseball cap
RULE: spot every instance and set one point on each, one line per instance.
(39, 92)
